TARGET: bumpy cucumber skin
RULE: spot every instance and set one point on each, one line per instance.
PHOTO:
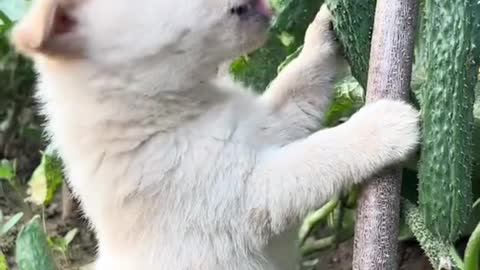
(32, 250)
(435, 248)
(353, 24)
(448, 96)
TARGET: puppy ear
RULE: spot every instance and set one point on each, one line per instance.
(47, 28)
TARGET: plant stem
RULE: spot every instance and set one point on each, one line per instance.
(315, 218)
(338, 222)
(477, 202)
(456, 258)
(472, 250)
(312, 246)
(390, 68)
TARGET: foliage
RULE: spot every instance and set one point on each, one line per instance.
(7, 170)
(46, 179)
(32, 250)
(6, 226)
(62, 244)
(257, 69)
(16, 79)
(349, 97)
(44, 183)
(3, 262)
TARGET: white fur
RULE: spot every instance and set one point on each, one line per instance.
(177, 169)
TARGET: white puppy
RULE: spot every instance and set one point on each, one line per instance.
(176, 169)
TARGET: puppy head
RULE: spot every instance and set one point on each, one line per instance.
(113, 32)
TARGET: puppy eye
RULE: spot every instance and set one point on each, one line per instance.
(240, 10)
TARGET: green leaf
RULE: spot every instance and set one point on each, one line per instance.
(70, 236)
(7, 226)
(349, 97)
(61, 244)
(31, 248)
(46, 179)
(4, 19)
(57, 243)
(3, 262)
(259, 68)
(7, 170)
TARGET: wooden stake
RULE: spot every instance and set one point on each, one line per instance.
(389, 76)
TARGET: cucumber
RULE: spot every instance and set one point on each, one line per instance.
(437, 251)
(32, 250)
(353, 24)
(445, 192)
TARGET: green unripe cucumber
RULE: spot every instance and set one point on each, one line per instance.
(353, 25)
(447, 108)
(437, 251)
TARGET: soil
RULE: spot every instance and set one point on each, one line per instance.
(410, 257)
(81, 250)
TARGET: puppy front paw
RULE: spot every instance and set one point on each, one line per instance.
(320, 36)
(388, 128)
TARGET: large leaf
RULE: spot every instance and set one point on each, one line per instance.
(32, 250)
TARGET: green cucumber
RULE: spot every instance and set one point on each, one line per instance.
(445, 192)
(353, 25)
(437, 251)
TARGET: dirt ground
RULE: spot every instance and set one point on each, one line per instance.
(82, 248)
(410, 255)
